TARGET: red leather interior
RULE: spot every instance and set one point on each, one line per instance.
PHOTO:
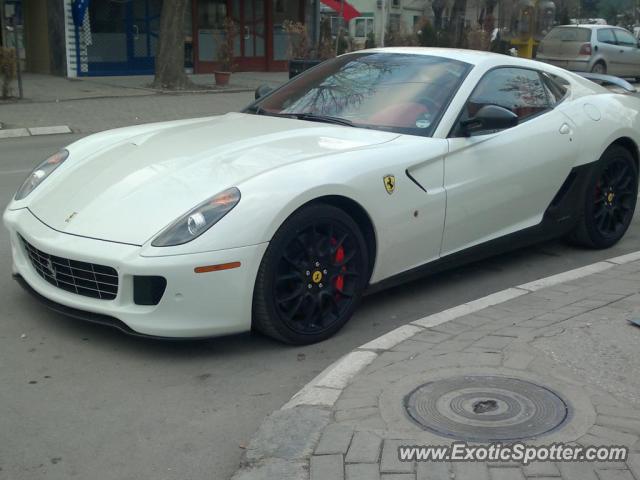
(399, 115)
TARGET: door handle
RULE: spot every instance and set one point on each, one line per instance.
(247, 33)
(136, 32)
(565, 129)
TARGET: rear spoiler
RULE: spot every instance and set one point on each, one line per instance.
(602, 79)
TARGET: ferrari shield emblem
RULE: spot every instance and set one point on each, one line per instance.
(389, 183)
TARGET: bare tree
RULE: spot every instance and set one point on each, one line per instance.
(170, 56)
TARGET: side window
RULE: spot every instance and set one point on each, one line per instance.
(605, 35)
(625, 39)
(555, 90)
(516, 89)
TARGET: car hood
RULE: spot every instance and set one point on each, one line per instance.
(132, 188)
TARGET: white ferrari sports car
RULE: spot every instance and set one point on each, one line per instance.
(365, 170)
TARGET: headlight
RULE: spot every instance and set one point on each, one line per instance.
(42, 171)
(197, 221)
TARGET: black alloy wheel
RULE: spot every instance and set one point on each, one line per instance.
(610, 200)
(311, 277)
(614, 199)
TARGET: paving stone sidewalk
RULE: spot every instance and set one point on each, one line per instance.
(574, 338)
(94, 104)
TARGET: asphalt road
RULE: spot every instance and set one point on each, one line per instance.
(82, 401)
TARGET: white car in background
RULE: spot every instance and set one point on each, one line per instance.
(364, 171)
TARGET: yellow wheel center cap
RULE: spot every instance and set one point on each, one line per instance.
(610, 197)
(317, 276)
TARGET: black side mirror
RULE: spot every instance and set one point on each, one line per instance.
(490, 117)
(262, 90)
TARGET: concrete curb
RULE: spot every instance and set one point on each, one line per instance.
(321, 393)
(34, 131)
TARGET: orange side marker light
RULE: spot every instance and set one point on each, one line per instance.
(216, 268)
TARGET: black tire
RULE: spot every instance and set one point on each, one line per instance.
(311, 277)
(609, 200)
(599, 67)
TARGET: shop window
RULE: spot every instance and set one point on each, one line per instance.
(394, 23)
(363, 27)
(283, 10)
(210, 15)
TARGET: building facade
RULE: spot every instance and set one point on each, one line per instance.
(120, 37)
(40, 33)
(262, 44)
(380, 17)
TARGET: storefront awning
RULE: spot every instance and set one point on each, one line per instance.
(348, 11)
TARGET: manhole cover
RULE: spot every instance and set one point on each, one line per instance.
(486, 408)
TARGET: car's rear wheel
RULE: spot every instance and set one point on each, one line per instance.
(311, 277)
(609, 201)
(599, 67)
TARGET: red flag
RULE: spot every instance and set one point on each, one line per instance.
(348, 11)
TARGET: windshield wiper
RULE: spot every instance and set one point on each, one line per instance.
(312, 117)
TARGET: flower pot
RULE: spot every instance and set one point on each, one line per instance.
(299, 65)
(222, 78)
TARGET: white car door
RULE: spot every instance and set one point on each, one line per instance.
(499, 182)
(629, 53)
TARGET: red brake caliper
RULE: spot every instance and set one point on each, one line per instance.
(339, 258)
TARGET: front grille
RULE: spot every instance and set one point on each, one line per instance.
(82, 278)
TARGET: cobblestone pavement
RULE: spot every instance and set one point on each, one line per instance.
(573, 338)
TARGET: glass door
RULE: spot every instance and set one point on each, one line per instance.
(144, 25)
(104, 45)
(120, 38)
(250, 16)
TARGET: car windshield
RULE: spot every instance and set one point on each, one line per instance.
(403, 93)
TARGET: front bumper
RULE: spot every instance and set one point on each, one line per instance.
(193, 304)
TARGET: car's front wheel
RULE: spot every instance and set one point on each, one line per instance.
(311, 277)
(609, 200)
